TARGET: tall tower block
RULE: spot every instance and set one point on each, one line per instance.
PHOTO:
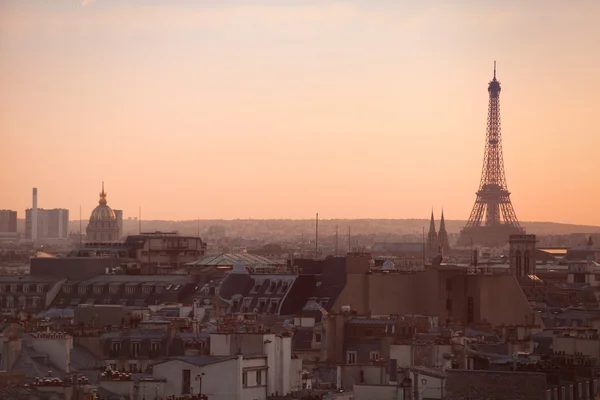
(34, 217)
(493, 218)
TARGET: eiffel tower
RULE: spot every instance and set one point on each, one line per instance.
(493, 218)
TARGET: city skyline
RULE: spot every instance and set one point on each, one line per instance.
(350, 109)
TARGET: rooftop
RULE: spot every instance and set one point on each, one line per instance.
(229, 260)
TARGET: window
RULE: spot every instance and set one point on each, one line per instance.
(518, 263)
(258, 378)
(113, 367)
(374, 356)
(113, 289)
(22, 301)
(13, 288)
(35, 302)
(135, 349)
(40, 288)
(82, 289)
(449, 306)
(10, 302)
(115, 349)
(147, 289)
(98, 289)
(317, 337)
(244, 379)
(66, 289)
(351, 357)
(131, 289)
(186, 381)
(155, 347)
(132, 367)
(526, 262)
(324, 301)
(25, 288)
(2, 288)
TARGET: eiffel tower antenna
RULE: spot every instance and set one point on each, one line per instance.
(493, 217)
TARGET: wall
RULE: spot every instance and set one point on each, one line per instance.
(420, 355)
(572, 345)
(514, 308)
(475, 385)
(379, 392)
(74, 268)
(277, 349)
(350, 375)
(211, 384)
(57, 348)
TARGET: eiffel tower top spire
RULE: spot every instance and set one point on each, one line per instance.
(492, 218)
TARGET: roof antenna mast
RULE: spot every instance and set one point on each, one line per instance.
(494, 69)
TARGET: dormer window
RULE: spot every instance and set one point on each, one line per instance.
(82, 289)
(147, 289)
(40, 288)
(13, 288)
(66, 289)
(284, 287)
(131, 289)
(2, 288)
(261, 305)
(273, 306)
(256, 287)
(176, 288)
(272, 286)
(324, 301)
(25, 288)
(98, 289)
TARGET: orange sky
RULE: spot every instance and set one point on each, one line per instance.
(280, 109)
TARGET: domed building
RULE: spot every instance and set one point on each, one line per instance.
(105, 224)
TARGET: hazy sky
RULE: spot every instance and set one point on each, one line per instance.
(281, 108)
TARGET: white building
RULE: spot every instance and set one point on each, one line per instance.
(284, 373)
(219, 378)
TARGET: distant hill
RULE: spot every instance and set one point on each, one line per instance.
(288, 227)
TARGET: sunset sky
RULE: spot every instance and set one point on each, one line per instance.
(281, 108)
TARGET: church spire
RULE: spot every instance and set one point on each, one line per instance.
(432, 235)
(443, 235)
(102, 195)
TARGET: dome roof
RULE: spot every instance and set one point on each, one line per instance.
(103, 212)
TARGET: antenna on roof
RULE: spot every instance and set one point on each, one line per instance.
(494, 69)
(317, 237)
(140, 220)
(336, 240)
(349, 242)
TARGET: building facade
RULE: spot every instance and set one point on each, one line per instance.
(8, 221)
(51, 224)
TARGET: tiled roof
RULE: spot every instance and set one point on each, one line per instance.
(229, 259)
(141, 333)
(103, 279)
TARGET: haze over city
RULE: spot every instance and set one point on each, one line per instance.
(280, 109)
